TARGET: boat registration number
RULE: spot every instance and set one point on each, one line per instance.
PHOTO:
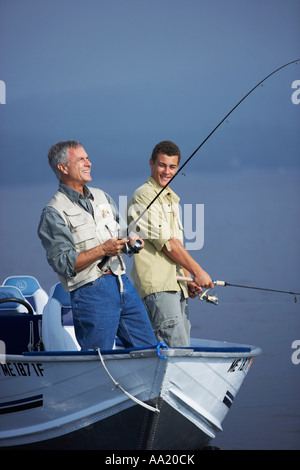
(240, 364)
(22, 369)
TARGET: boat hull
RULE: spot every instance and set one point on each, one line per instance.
(69, 400)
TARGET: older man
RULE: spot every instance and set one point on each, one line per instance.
(78, 227)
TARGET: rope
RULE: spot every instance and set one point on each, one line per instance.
(136, 400)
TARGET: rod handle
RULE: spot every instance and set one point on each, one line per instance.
(219, 283)
(184, 278)
(103, 262)
(190, 279)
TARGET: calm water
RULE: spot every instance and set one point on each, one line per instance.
(251, 236)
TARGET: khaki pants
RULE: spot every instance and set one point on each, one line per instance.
(169, 316)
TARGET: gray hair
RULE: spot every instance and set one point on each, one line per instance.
(59, 153)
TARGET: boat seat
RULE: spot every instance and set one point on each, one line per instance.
(6, 308)
(31, 290)
(57, 327)
(19, 326)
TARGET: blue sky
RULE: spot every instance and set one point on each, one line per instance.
(121, 75)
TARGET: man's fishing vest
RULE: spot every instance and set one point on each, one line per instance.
(88, 232)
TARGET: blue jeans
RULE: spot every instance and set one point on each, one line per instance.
(101, 312)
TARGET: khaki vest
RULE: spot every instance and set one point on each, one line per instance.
(88, 232)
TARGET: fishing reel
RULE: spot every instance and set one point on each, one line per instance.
(135, 248)
(211, 299)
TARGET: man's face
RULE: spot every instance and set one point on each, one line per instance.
(77, 173)
(164, 168)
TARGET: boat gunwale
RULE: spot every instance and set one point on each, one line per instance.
(136, 353)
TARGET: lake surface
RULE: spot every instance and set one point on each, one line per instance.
(251, 237)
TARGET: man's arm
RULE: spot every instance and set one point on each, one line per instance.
(111, 247)
(60, 248)
(179, 254)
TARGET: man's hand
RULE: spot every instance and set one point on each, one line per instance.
(133, 238)
(113, 246)
(193, 289)
(202, 279)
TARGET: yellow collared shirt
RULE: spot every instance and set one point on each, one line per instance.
(153, 271)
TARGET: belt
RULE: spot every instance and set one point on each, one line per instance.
(108, 271)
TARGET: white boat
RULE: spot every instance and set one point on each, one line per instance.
(54, 396)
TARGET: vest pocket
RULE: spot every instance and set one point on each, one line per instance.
(75, 219)
(84, 235)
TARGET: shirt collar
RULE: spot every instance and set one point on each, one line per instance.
(73, 195)
(166, 192)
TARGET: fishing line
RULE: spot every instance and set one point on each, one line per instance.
(209, 135)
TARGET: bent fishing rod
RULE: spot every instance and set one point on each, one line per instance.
(208, 137)
(134, 222)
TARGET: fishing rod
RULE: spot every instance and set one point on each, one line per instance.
(224, 283)
(134, 222)
(214, 299)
